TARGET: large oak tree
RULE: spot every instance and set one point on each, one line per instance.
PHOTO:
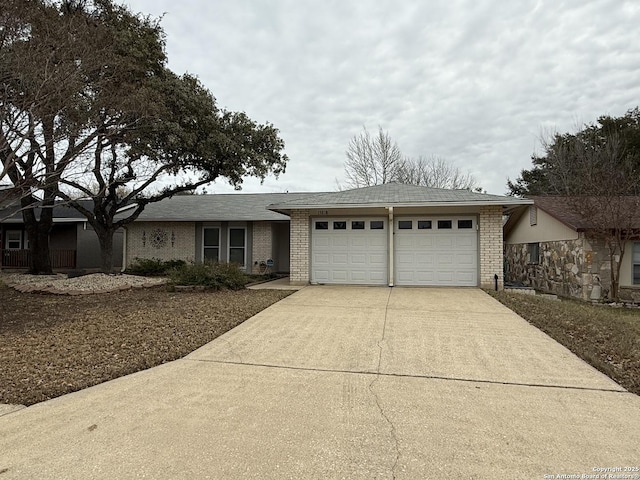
(89, 109)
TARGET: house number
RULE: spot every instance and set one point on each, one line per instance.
(323, 212)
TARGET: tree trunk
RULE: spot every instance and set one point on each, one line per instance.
(38, 234)
(615, 276)
(105, 238)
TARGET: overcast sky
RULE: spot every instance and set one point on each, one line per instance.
(475, 82)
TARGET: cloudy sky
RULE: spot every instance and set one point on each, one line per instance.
(475, 82)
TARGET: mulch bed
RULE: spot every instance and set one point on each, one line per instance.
(51, 345)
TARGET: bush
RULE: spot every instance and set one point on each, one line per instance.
(211, 275)
(150, 267)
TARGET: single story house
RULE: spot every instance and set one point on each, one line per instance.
(390, 234)
(550, 247)
(72, 242)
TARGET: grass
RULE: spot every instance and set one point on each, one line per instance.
(51, 345)
(607, 338)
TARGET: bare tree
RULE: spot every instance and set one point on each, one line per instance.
(375, 160)
(372, 160)
(434, 172)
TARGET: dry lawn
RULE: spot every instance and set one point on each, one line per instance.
(605, 337)
(51, 345)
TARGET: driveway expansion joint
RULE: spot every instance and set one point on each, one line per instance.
(416, 376)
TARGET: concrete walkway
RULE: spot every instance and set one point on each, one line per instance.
(343, 382)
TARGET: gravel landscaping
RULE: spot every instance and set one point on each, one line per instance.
(51, 345)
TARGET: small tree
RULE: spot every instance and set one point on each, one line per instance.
(376, 160)
(435, 172)
(372, 160)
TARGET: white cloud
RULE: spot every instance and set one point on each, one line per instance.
(474, 82)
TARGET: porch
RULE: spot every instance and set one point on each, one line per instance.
(19, 258)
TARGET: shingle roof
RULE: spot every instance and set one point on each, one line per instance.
(218, 207)
(566, 209)
(396, 194)
(61, 213)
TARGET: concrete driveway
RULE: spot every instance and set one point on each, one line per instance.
(343, 382)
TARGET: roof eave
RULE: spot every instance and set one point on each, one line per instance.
(281, 208)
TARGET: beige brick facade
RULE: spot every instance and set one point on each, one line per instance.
(491, 258)
(299, 256)
(163, 240)
(261, 249)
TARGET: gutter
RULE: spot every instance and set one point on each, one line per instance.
(124, 250)
(390, 246)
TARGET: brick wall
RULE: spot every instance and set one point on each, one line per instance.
(299, 258)
(261, 245)
(163, 240)
(491, 256)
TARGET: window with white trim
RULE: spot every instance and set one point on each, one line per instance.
(636, 263)
(13, 240)
(237, 245)
(211, 244)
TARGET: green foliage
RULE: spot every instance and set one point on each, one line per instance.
(153, 267)
(89, 80)
(217, 276)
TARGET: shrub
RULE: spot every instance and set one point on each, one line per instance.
(150, 267)
(212, 275)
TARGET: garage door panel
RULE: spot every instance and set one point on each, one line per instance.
(377, 260)
(349, 256)
(444, 242)
(436, 256)
(358, 259)
(358, 241)
(445, 260)
(424, 259)
(321, 259)
(321, 242)
(467, 242)
(339, 240)
(339, 259)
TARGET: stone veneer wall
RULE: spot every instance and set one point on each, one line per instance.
(491, 252)
(163, 240)
(569, 267)
(261, 249)
(299, 258)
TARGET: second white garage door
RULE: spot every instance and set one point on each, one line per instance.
(349, 251)
(436, 251)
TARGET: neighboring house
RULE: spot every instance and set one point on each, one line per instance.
(389, 234)
(549, 247)
(72, 242)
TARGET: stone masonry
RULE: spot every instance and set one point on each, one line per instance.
(491, 259)
(299, 257)
(261, 249)
(569, 268)
(162, 240)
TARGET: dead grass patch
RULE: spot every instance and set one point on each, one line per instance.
(51, 345)
(606, 338)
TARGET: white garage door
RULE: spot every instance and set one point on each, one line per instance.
(349, 251)
(436, 251)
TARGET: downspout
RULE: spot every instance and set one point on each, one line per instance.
(124, 250)
(390, 246)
